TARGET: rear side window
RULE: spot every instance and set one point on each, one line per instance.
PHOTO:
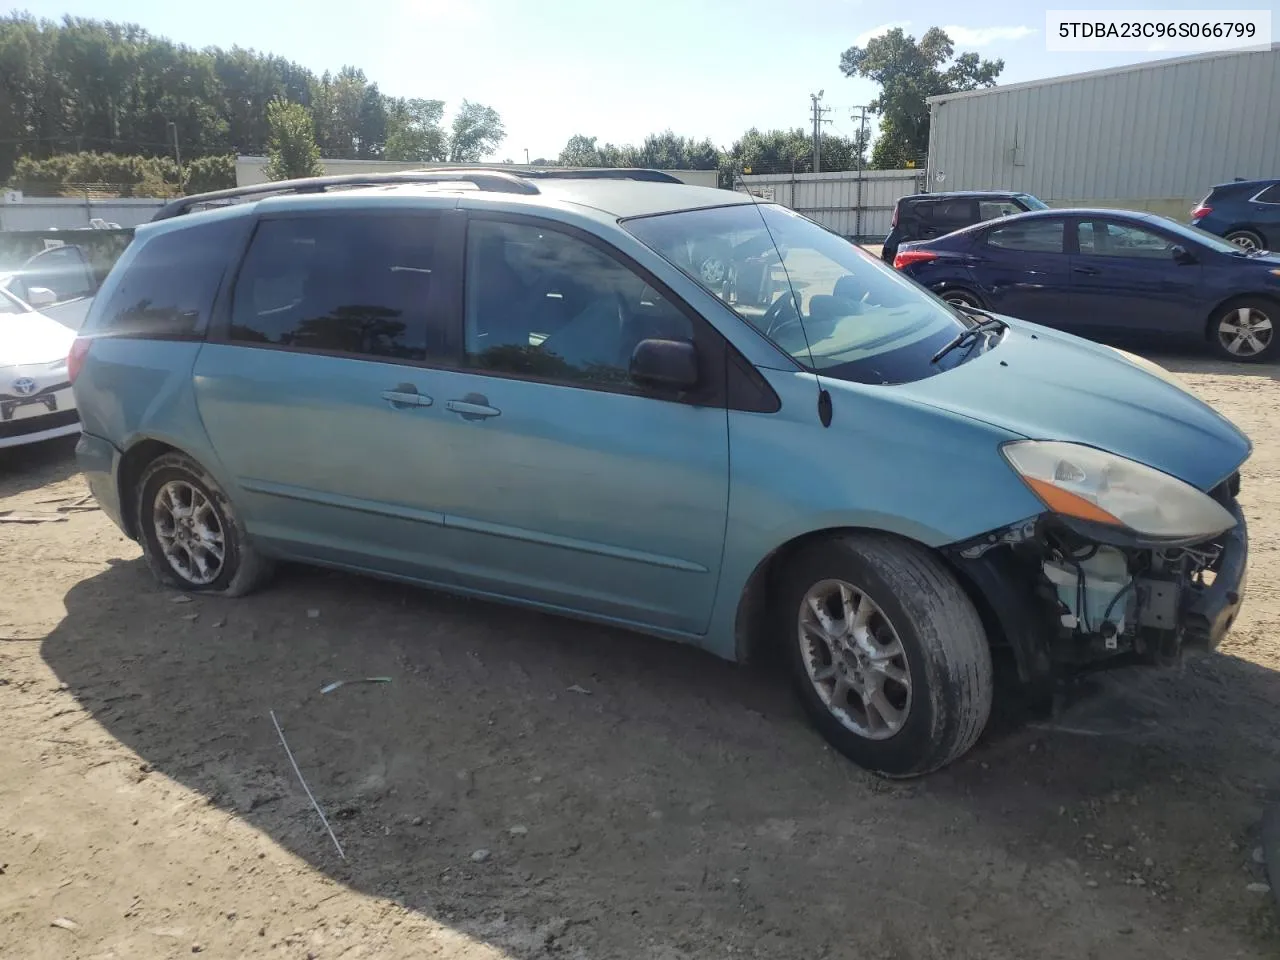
(1270, 195)
(167, 289)
(1034, 236)
(961, 213)
(358, 285)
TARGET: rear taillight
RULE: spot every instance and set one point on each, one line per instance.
(76, 358)
(908, 257)
(893, 221)
(1201, 211)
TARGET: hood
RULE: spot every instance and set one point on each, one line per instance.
(32, 338)
(1046, 385)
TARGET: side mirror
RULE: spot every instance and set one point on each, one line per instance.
(670, 364)
(1182, 255)
(41, 296)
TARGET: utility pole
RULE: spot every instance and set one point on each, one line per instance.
(182, 180)
(818, 121)
(859, 114)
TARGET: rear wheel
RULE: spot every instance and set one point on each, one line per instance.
(191, 536)
(1244, 239)
(887, 653)
(1245, 330)
(961, 298)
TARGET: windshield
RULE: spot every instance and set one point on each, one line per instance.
(857, 318)
(1032, 203)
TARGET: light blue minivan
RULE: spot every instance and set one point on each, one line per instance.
(618, 397)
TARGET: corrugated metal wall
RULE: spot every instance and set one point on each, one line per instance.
(1163, 132)
(832, 199)
(42, 213)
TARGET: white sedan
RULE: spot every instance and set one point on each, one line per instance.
(36, 402)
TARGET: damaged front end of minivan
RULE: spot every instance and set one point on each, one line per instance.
(1125, 566)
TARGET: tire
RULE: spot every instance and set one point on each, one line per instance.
(1245, 239)
(1259, 317)
(241, 569)
(961, 296)
(941, 638)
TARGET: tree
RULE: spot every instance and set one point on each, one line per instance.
(907, 73)
(210, 173)
(477, 130)
(292, 150)
(414, 132)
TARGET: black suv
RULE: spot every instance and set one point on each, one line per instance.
(924, 216)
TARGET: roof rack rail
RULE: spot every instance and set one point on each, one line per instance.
(604, 173)
(485, 179)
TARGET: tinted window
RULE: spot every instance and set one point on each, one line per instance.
(962, 212)
(1028, 236)
(348, 284)
(1270, 195)
(543, 303)
(168, 288)
(1099, 238)
(991, 209)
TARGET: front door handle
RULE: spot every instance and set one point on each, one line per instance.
(473, 406)
(1087, 271)
(405, 395)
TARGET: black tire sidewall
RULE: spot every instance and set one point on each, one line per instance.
(901, 754)
(1251, 234)
(165, 470)
(965, 295)
(1270, 308)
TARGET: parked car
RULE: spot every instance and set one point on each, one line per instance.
(36, 402)
(1245, 212)
(1109, 274)
(58, 280)
(523, 388)
(925, 216)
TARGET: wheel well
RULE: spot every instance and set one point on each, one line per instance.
(132, 464)
(959, 288)
(1236, 298)
(756, 609)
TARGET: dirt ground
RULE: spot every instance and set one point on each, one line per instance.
(526, 786)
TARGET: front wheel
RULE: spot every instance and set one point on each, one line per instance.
(887, 653)
(1245, 330)
(191, 537)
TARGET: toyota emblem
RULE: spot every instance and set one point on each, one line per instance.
(25, 386)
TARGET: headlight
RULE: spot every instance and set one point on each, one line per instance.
(1090, 484)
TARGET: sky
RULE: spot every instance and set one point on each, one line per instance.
(613, 70)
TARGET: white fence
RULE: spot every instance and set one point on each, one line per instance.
(855, 205)
(65, 213)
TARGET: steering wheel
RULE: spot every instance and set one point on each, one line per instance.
(781, 314)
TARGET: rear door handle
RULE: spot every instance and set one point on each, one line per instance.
(473, 406)
(1087, 271)
(405, 395)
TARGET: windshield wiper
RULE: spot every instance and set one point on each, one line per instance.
(965, 337)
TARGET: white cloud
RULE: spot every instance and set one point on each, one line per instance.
(862, 39)
(983, 36)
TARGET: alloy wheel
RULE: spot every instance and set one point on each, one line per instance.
(189, 532)
(1246, 332)
(855, 659)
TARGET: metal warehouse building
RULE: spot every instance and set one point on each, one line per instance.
(1153, 136)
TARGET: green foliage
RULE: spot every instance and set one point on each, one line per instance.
(477, 130)
(907, 72)
(86, 85)
(205, 174)
(291, 150)
(129, 176)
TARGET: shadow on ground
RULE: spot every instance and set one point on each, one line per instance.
(638, 799)
(38, 465)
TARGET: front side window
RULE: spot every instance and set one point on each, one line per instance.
(831, 307)
(992, 209)
(346, 284)
(1101, 238)
(545, 304)
(1032, 203)
(1029, 236)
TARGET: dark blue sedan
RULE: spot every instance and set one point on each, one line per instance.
(1109, 274)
